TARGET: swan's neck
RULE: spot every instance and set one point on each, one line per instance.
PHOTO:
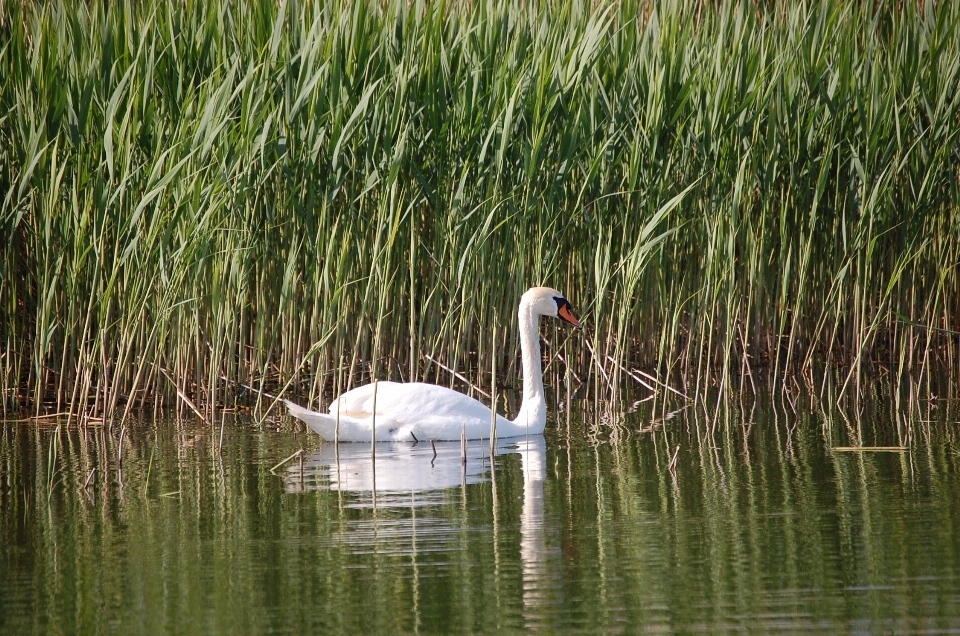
(533, 411)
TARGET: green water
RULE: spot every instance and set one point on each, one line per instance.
(761, 528)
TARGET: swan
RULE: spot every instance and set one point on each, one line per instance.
(417, 411)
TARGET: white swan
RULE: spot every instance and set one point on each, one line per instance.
(414, 410)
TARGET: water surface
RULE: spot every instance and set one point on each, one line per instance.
(762, 527)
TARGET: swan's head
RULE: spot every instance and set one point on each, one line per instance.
(549, 302)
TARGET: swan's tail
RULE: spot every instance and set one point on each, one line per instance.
(320, 423)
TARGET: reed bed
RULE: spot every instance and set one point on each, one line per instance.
(295, 194)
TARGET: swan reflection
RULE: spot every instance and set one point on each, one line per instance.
(404, 468)
(533, 458)
(408, 476)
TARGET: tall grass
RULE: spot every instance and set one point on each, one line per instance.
(255, 191)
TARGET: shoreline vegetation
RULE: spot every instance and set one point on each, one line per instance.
(307, 195)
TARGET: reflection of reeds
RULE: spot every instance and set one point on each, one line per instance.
(52, 462)
(238, 181)
(737, 492)
(297, 454)
(146, 480)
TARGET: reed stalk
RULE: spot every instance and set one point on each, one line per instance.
(208, 190)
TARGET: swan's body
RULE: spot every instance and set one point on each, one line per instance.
(414, 410)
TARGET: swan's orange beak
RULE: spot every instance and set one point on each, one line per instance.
(567, 316)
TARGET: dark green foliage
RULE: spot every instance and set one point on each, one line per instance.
(259, 190)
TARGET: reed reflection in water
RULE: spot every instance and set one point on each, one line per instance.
(762, 527)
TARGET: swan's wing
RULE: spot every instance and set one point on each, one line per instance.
(427, 410)
(357, 402)
(408, 401)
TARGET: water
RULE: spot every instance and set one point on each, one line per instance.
(761, 528)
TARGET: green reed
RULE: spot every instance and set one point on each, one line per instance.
(198, 191)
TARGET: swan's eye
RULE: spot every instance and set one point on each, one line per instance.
(565, 312)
